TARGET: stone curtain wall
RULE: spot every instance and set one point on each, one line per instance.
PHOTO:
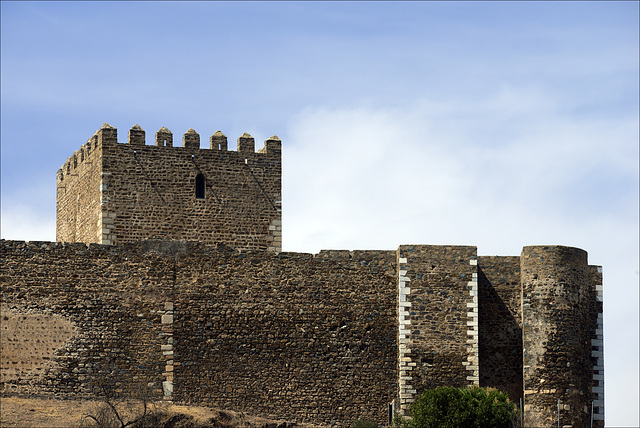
(30, 340)
(500, 322)
(84, 314)
(326, 338)
(294, 336)
(438, 318)
(134, 191)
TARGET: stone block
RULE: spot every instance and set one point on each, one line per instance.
(167, 388)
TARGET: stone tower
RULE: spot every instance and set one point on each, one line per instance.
(562, 337)
(117, 193)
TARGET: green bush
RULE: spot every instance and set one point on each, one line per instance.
(448, 407)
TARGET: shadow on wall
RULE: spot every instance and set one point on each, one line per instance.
(500, 356)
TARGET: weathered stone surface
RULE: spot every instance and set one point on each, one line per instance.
(558, 297)
(292, 335)
(149, 192)
(317, 338)
(500, 327)
(436, 322)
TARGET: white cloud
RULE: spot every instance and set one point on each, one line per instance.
(386, 166)
(22, 222)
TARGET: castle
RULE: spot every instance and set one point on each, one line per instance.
(168, 272)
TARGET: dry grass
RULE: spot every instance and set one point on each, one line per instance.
(22, 412)
(46, 413)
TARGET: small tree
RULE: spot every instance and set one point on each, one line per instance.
(116, 411)
(473, 407)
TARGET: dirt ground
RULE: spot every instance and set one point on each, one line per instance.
(46, 413)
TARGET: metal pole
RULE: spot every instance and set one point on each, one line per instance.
(521, 414)
(592, 414)
(558, 413)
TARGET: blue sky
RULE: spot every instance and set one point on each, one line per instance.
(496, 124)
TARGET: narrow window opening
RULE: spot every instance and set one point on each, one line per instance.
(199, 186)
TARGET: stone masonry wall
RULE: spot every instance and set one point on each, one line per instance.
(597, 345)
(438, 318)
(557, 326)
(323, 338)
(73, 315)
(295, 336)
(500, 324)
(291, 335)
(78, 195)
(133, 191)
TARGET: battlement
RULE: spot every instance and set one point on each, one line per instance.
(107, 135)
(111, 192)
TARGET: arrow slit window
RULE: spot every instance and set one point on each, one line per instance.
(200, 182)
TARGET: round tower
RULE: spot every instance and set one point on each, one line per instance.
(557, 369)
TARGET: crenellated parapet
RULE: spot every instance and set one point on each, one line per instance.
(108, 135)
(218, 141)
(136, 136)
